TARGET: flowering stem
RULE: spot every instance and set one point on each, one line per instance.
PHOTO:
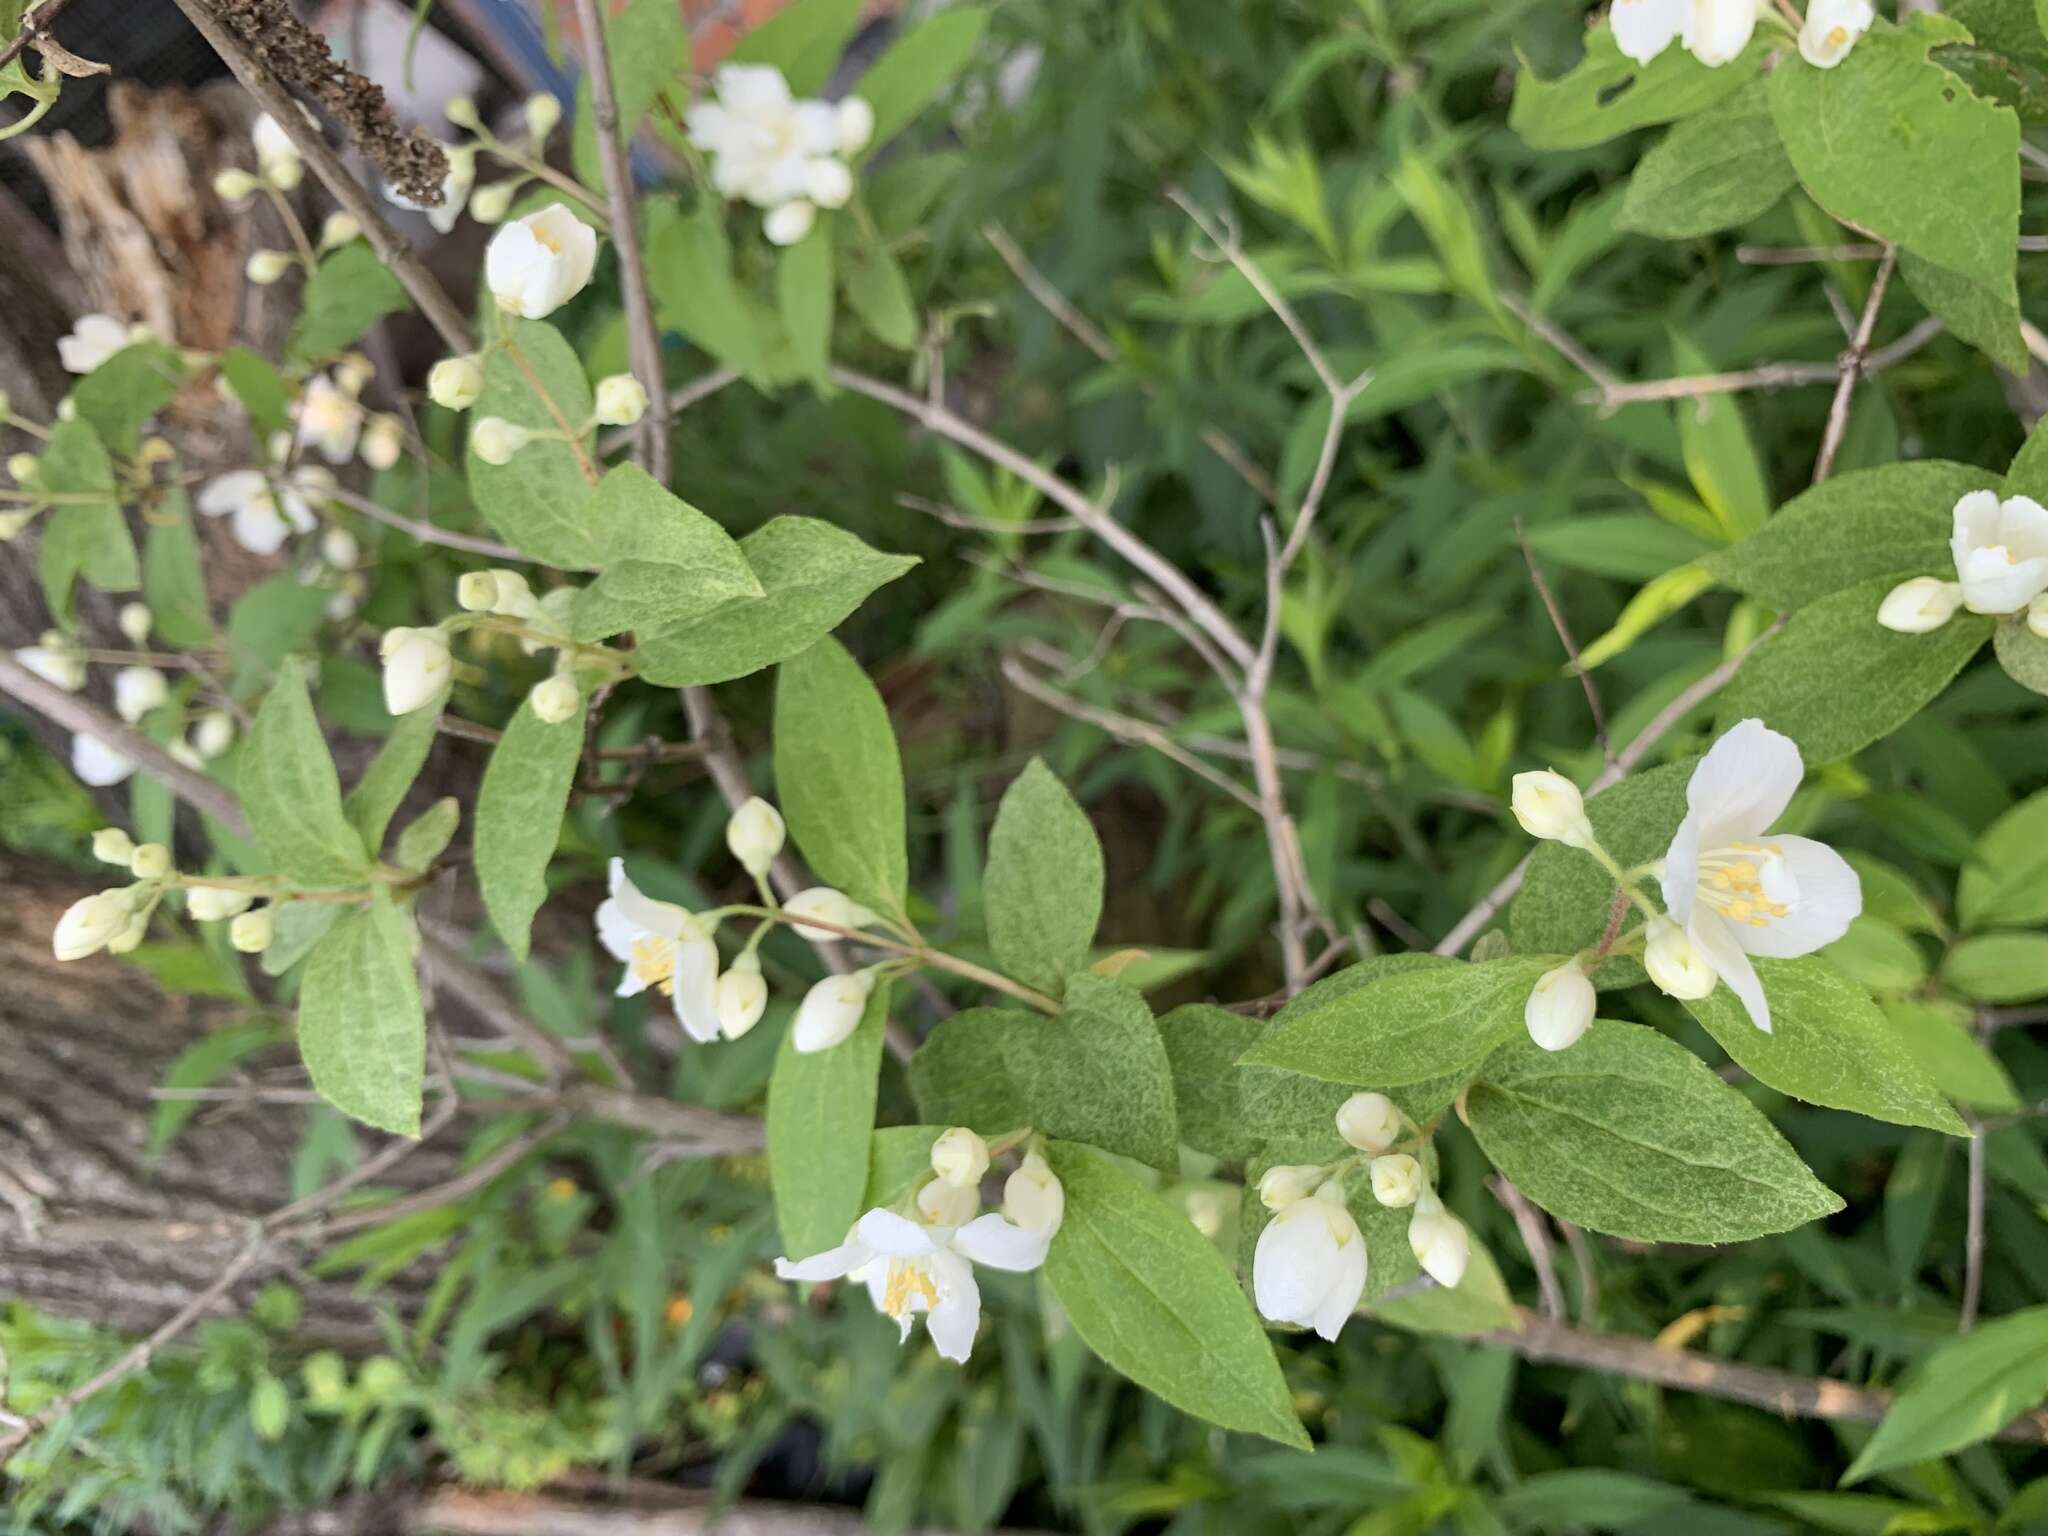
(296, 230)
(923, 954)
(1625, 879)
(536, 167)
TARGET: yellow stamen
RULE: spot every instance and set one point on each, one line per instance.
(654, 962)
(907, 1279)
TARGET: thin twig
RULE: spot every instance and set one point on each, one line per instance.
(1582, 1261)
(35, 27)
(1562, 342)
(1973, 1235)
(1564, 636)
(423, 531)
(1852, 364)
(1763, 376)
(1536, 1239)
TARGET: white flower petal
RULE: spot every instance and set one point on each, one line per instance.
(1645, 28)
(1001, 1244)
(662, 917)
(1830, 896)
(1682, 869)
(897, 1236)
(957, 1317)
(696, 987)
(1341, 1300)
(1293, 1263)
(1716, 942)
(1743, 784)
(832, 1264)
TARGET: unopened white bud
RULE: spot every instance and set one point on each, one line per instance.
(339, 549)
(352, 370)
(755, 834)
(12, 523)
(1283, 1184)
(455, 382)
(383, 440)
(1033, 1197)
(417, 668)
(338, 229)
(827, 906)
(490, 204)
(25, 468)
(1675, 964)
(285, 175)
(111, 845)
(621, 400)
(853, 123)
(515, 599)
(831, 1011)
(137, 691)
(828, 183)
(495, 440)
(1369, 1122)
(555, 699)
(150, 861)
(787, 223)
(266, 267)
(477, 591)
(215, 903)
(742, 996)
(89, 925)
(543, 113)
(942, 1205)
(1396, 1179)
(1921, 605)
(960, 1157)
(233, 185)
(1560, 1007)
(1440, 1243)
(251, 931)
(214, 733)
(136, 621)
(461, 111)
(132, 933)
(1548, 805)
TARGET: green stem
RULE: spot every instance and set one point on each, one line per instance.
(922, 954)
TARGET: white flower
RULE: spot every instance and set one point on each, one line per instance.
(417, 668)
(138, 690)
(94, 338)
(960, 1157)
(496, 440)
(89, 925)
(761, 139)
(136, 621)
(853, 125)
(274, 147)
(1439, 1241)
(383, 440)
(1033, 1196)
(827, 906)
(329, 419)
(1560, 1007)
(56, 661)
(2001, 551)
(1309, 1265)
(831, 1011)
(911, 1267)
(1831, 30)
(742, 996)
(789, 222)
(455, 382)
(1284, 1183)
(1739, 892)
(620, 400)
(339, 549)
(455, 187)
(1718, 30)
(755, 834)
(266, 267)
(97, 764)
(214, 733)
(1548, 805)
(1396, 1180)
(665, 948)
(543, 113)
(1915, 607)
(262, 516)
(537, 264)
(338, 229)
(1714, 31)
(252, 931)
(555, 699)
(215, 903)
(1369, 1122)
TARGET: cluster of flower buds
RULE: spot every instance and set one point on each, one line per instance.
(116, 919)
(139, 691)
(2000, 549)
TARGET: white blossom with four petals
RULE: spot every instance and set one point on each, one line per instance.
(2000, 550)
(664, 948)
(785, 156)
(1309, 1265)
(261, 515)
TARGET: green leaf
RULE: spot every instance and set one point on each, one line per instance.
(1629, 1134)
(121, 394)
(1938, 1034)
(84, 538)
(918, 65)
(1625, 545)
(958, 1075)
(690, 270)
(665, 563)
(1097, 1073)
(1444, 217)
(173, 583)
(1406, 1027)
(898, 1157)
(821, 1109)
(1891, 142)
(877, 291)
(423, 839)
(2022, 653)
(537, 500)
(1714, 171)
(1043, 885)
(1966, 1391)
(1985, 316)
(268, 622)
(1650, 607)
(839, 778)
(1829, 1044)
(1203, 1043)
(1999, 967)
(804, 41)
(350, 292)
(649, 47)
(1835, 680)
(1887, 524)
(1480, 1303)
(1877, 956)
(1153, 1298)
(1609, 94)
(362, 1030)
(295, 927)
(519, 812)
(261, 389)
(2005, 884)
(803, 295)
(378, 793)
(814, 574)
(290, 792)
(1720, 458)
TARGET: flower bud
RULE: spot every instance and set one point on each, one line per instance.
(535, 265)
(831, 1011)
(461, 111)
(251, 931)
(265, 267)
(89, 925)
(555, 699)
(214, 733)
(339, 549)
(828, 183)
(1310, 1263)
(495, 440)
(489, 205)
(1284, 1183)
(1033, 1197)
(383, 440)
(1921, 605)
(960, 1157)
(137, 691)
(543, 113)
(787, 223)
(25, 468)
(338, 229)
(136, 620)
(853, 124)
(12, 523)
(755, 834)
(827, 906)
(110, 845)
(1396, 1179)
(233, 185)
(455, 383)
(621, 400)
(515, 598)
(132, 933)
(56, 659)
(214, 903)
(1369, 1122)
(352, 371)
(150, 861)
(1440, 1243)
(1678, 969)
(943, 1205)
(742, 996)
(477, 591)
(2037, 617)
(417, 668)
(1548, 805)
(1560, 1007)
